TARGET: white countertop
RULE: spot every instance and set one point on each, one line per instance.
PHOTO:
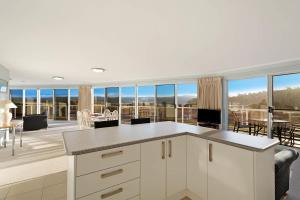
(91, 140)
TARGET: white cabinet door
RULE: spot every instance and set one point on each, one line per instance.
(197, 167)
(230, 172)
(176, 165)
(153, 170)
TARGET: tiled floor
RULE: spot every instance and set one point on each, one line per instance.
(50, 187)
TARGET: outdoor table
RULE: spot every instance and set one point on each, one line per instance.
(278, 125)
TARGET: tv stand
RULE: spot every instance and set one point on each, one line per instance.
(209, 125)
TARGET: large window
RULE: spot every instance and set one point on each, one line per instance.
(99, 100)
(187, 103)
(16, 96)
(146, 102)
(286, 98)
(30, 102)
(127, 104)
(247, 100)
(47, 102)
(61, 104)
(112, 98)
(74, 93)
(165, 102)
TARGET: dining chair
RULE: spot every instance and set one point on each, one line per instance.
(105, 124)
(114, 115)
(140, 121)
(238, 123)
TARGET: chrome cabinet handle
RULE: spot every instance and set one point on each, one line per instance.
(112, 154)
(109, 194)
(163, 150)
(170, 148)
(113, 173)
(210, 157)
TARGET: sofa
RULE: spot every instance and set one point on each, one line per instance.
(284, 157)
(35, 122)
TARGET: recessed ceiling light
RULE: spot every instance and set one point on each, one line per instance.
(58, 78)
(98, 69)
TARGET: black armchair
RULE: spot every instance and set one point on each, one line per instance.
(284, 158)
(34, 122)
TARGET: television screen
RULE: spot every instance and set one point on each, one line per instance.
(209, 116)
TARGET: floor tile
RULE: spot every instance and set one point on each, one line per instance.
(54, 179)
(33, 195)
(26, 186)
(55, 192)
(3, 191)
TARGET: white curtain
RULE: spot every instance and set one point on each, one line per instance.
(210, 93)
(85, 97)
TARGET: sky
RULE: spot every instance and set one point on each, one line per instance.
(259, 84)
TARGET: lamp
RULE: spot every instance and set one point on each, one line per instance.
(5, 115)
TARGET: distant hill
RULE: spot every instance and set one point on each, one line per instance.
(283, 99)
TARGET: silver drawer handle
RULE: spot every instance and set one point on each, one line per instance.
(113, 173)
(210, 156)
(112, 154)
(109, 194)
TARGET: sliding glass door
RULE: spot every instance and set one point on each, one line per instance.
(30, 101)
(127, 104)
(74, 94)
(146, 102)
(247, 104)
(112, 98)
(165, 102)
(47, 102)
(99, 100)
(61, 104)
(16, 96)
(187, 111)
(286, 103)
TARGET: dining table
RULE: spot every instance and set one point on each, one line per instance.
(278, 126)
(13, 125)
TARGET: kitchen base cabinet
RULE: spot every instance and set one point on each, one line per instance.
(163, 169)
(197, 157)
(176, 166)
(153, 170)
(236, 173)
(230, 173)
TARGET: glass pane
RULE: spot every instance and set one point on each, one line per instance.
(112, 98)
(165, 102)
(146, 102)
(286, 92)
(30, 102)
(47, 102)
(286, 95)
(187, 103)
(16, 96)
(99, 100)
(61, 104)
(247, 102)
(128, 104)
(74, 94)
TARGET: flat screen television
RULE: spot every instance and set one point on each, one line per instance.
(209, 116)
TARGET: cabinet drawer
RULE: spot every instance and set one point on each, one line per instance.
(100, 160)
(98, 181)
(119, 192)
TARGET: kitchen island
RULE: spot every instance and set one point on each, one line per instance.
(168, 160)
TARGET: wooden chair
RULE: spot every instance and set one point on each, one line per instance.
(238, 123)
(140, 121)
(105, 124)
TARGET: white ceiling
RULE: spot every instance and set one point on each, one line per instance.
(142, 39)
